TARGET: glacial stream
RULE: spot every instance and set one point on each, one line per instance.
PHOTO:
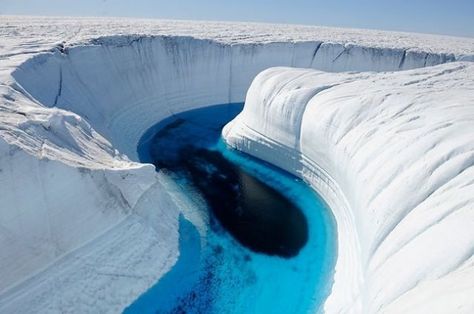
(253, 238)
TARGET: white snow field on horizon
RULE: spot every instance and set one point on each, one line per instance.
(379, 124)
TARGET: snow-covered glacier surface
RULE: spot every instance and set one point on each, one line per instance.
(394, 155)
(85, 227)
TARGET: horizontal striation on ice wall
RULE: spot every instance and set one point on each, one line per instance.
(397, 148)
(124, 84)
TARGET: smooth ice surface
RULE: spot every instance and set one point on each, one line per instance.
(393, 154)
(77, 94)
(222, 275)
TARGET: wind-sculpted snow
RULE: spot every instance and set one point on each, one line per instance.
(398, 149)
(76, 95)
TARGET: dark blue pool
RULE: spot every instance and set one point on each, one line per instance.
(254, 239)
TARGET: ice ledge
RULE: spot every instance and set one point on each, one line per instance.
(392, 155)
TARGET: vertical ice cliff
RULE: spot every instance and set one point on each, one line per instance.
(393, 154)
(75, 98)
(124, 84)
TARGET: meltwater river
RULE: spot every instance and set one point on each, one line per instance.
(253, 238)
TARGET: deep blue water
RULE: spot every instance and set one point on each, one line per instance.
(253, 238)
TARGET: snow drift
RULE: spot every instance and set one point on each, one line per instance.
(74, 103)
(393, 153)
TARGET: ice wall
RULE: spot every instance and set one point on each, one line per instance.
(109, 91)
(124, 85)
(62, 184)
(393, 155)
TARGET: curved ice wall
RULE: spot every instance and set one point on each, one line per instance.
(393, 155)
(123, 85)
(117, 87)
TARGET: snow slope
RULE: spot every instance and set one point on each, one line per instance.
(77, 94)
(398, 148)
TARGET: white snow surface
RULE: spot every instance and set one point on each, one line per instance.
(76, 94)
(398, 150)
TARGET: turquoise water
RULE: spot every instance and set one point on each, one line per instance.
(221, 270)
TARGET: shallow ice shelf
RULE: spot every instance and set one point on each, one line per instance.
(248, 208)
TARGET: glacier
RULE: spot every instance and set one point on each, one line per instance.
(390, 152)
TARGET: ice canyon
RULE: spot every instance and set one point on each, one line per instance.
(379, 124)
